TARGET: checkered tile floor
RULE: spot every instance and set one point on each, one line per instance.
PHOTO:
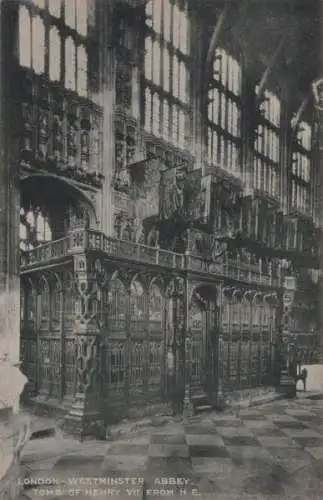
(275, 450)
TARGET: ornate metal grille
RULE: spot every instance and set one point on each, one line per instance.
(197, 347)
(116, 366)
(138, 308)
(44, 305)
(116, 309)
(137, 358)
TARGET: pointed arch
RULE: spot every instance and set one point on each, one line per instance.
(138, 305)
(155, 307)
(116, 305)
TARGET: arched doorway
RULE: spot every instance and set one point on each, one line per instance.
(203, 326)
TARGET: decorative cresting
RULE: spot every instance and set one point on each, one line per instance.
(84, 417)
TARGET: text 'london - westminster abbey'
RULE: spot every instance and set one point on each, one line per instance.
(161, 162)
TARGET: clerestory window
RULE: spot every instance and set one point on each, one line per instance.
(224, 112)
(301, 169)
(267, 145)
(47, 48)
(166, 96)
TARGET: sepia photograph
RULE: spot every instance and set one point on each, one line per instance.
(161, 211)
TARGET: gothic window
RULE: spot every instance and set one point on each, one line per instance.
(54, 54)
(54, 7)
(82, 65)
(224, 112)
(24, 37)
(301, 169)
(166, 71)
(70, 64)
(34, 228)
(38, 45)
(41, 36)
(76, 12)
(266, 147)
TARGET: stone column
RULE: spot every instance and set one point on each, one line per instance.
(198, 147)
(14, 430)
(106, 99)
(84, 418)
(318, 96)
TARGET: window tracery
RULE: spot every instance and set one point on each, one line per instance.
(35, 228)
(267, 145)
(301, 169)
(166, 71)
(41, 37)
(224, 112)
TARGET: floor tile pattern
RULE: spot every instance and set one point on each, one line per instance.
(272, 451)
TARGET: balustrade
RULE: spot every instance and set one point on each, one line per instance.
(83, 240)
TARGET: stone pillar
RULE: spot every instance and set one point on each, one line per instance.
(318, 96)
(106, 99)
(14, 430)
(84, 418)
(199, 99)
